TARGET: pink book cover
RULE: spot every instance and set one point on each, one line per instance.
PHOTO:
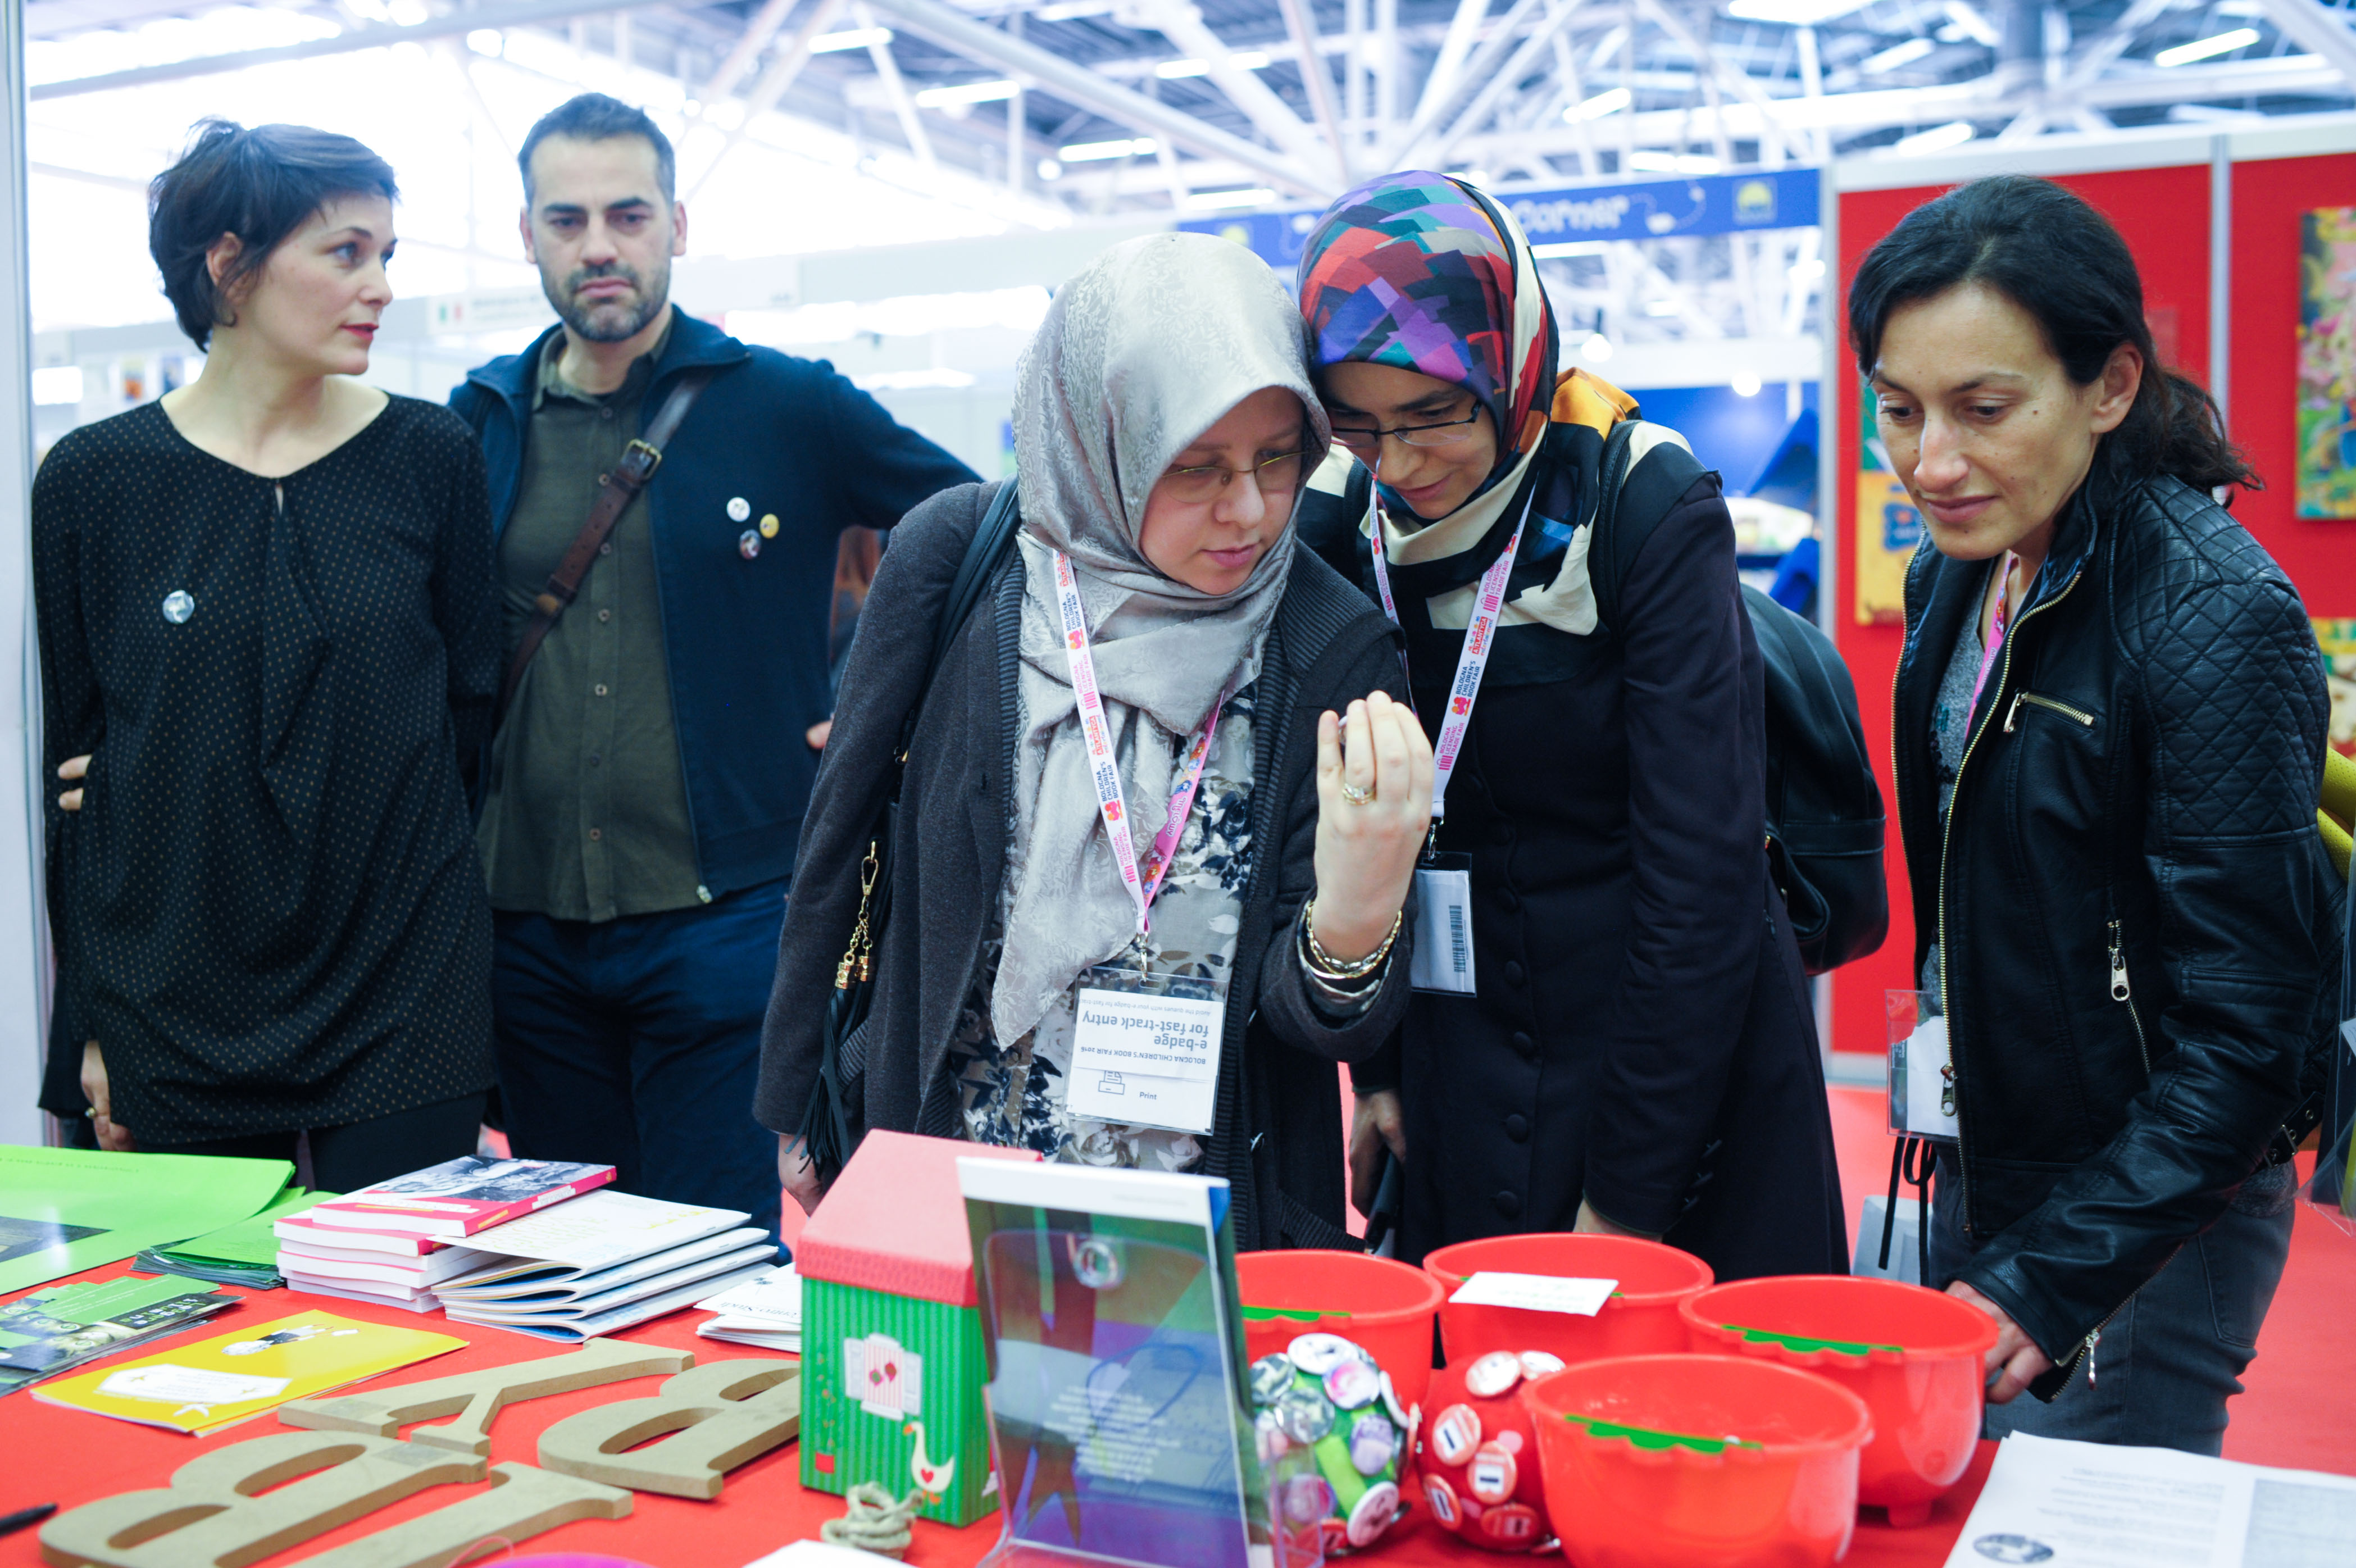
(460, 1197)
(302, 1230)
(895, 1220)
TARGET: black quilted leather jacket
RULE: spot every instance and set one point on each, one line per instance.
(2131, 891)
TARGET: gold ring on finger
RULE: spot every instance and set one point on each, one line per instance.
(1356, 796)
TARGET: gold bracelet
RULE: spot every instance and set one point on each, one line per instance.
(1331, 968)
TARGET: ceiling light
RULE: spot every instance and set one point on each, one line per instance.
(1091, 152)
(912, 380)
(1673, 163)
(1745, 384)
(1215, 200)
(55, 385)
(1793, 13)
(1808, 271)
(964, 92)
(1174, 69)
(1050, 169)
(1972, 22)
(1599, 105)
(1896, 55)
(1570, 248)
(486, 41)
(2212, 114)
(1660, 308)
(1938, 139)
(1596, 350)
(1072, 10)
(2202, 48)
(856, 38)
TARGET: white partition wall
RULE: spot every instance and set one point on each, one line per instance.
(23, 940)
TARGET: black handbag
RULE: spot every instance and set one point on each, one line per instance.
(826, 1130)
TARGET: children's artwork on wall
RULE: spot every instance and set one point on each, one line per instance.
(2327, 363)
(2338, 640)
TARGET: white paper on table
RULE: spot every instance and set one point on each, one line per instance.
(2093, 1505)
(1535, 1293)
(774, 1300)
(815, 1554)
(603, 1228)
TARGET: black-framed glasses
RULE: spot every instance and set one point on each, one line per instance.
(1364, 439)
(1207, 481)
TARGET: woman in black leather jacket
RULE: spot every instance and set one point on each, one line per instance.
(2110, 722)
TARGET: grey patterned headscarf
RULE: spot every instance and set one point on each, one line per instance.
(1139, 355)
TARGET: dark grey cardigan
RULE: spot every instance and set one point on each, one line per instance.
(1278, 1132)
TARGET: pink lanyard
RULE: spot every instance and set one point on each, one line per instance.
(1144, 882)
(1488, 604)
(1996, 626)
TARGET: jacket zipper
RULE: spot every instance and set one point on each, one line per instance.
(1946, 838)
(2012, 713)
(2121, 991)
(2083, 1356)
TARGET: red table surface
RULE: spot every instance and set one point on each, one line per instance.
(48, 1454)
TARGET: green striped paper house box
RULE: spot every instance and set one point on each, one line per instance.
(892, 1357)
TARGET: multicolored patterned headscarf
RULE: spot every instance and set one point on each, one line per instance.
(1413, 270)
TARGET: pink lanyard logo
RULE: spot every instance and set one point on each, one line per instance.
(1143, 882)
(1480, 637)
(1996, 626)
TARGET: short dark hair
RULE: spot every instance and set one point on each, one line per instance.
(593, 117)
(2044, 248)
(260, 185)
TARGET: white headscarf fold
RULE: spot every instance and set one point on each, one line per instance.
(1139, 355)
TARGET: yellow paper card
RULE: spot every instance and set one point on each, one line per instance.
(204, 1386)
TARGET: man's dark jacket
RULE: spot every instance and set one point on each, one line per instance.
(2136, 905)
(745, 637)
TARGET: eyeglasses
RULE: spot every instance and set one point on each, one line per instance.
(1275, 476)
(1362, 439)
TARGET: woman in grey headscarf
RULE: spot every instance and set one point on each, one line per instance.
(1164, 429)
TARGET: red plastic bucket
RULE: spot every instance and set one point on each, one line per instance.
(1640, 1318)
(1698, 1462)
(1915, 1357)
(1382, 1304)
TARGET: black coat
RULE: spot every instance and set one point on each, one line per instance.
(1277, 1137)
(1643, 1035)
(2142, 772)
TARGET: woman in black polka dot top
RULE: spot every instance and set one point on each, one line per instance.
(267, 640)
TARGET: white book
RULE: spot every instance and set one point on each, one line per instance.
(707, 1267)
(335, 1264)
(601, 1228)
(572, 1332)
(745, 1331)
(349, 1290)
(773, 1301)
(533, 1286)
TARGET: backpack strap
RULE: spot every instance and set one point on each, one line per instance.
(988, 547)
(1638, 479)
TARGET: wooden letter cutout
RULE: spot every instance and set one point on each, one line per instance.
(480, 1396)
(522, 1502)
(210, 1517)
(725, 1414)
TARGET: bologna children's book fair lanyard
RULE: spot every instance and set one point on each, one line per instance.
(1142, 881)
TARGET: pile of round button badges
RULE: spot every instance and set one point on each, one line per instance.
(1480, 1462)
(1325, 1394)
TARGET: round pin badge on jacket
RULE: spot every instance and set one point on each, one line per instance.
(178, 606)
(739, 509)
(748, 544)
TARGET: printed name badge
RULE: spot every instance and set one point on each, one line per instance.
(1145, 1050)
(1442, 962)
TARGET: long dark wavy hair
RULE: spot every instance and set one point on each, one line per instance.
(2043, 248)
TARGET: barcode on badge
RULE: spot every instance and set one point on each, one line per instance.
(1460, 952)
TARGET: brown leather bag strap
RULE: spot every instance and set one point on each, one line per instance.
(616, 490)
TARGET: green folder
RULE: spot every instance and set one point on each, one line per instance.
(245, 1253)
(64, 1210)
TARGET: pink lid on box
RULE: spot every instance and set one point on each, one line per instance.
(894, 1221)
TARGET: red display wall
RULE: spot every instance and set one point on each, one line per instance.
(2164, 215)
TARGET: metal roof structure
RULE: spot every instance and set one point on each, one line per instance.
(1106, 107)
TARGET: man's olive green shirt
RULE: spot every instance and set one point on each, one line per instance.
(586, 818)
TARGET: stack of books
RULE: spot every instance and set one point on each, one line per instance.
(395, 1242)
(603, 1262)
(765, 1311)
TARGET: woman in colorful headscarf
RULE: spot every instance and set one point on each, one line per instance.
(1636, 1053)
(1164, 424)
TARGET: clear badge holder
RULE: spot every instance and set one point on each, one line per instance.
(1922, 1069)
(1118, 1410)
(1145, 1048)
